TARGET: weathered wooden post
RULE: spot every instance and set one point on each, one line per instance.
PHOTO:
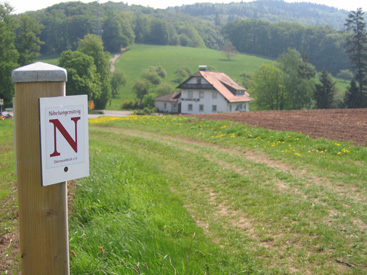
(42, 210)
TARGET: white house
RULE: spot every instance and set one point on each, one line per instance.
(207, 92)
(168, 103)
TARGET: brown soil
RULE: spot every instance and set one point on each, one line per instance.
(334, 124)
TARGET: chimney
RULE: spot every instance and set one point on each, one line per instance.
(202, 67)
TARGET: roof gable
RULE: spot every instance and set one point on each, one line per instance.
(221, 82)
(169, 98)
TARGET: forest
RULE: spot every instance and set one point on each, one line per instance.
(121, 25)
(268, 10)
(264, 28)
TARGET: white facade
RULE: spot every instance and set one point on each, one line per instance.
(206, 101)
(205, 93)
(166, 107)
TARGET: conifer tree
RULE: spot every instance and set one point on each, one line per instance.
(324, 92)
(356, 45)
(353, 97)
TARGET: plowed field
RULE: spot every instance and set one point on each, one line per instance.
(335, 124)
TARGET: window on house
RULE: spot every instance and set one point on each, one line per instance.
(230, 108)
(165, 105)
(201, 108)
(190, 107)
(198, 81)
(214, 94)
(190, 94)
(201, 94)
(214, 108)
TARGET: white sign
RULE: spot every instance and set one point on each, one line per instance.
(64, 138)
(1, 101)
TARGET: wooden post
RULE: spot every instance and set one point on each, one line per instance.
(43, 216)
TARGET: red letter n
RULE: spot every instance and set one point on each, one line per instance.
(73, 143)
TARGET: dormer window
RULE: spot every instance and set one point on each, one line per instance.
(198, 81)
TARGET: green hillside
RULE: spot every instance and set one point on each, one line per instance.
(138, 57)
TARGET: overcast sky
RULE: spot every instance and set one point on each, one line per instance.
(29, 5)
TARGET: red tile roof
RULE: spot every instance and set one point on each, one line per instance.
(219, 81)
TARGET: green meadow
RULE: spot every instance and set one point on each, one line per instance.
(171, 194)
(174, 195)
(139, 57)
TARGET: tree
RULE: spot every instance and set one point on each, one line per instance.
(141, 88)
(118, 79)
(27, 41)
(353, 98)
(298, 79)
(245, 79)
(229, 50)
(82, 74)
(8, 53)
(356, 45)
(117, 32)
(92, 45)
(189, 37)
(159, 32)
(164, 89)
(141, 28)
(267, 86)
(345, 74)
(182, 73)
(154, 74)
(325, 92)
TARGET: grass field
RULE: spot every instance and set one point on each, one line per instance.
(172, 195)
(257, 201)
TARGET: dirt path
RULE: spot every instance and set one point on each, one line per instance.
(115, 57)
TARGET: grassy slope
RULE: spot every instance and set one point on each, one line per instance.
(171, 193)
(139, 56)
(259, 201)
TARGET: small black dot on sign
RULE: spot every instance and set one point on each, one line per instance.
(66, 169)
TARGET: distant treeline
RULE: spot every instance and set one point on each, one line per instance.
(321, 46)
(268, 10)
(120, 25)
